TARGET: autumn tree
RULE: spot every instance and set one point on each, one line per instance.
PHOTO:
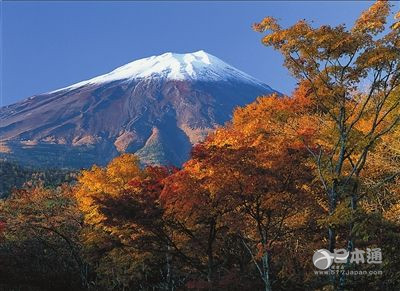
(198, 210)
(377, 219)
(353, 75)
(125, 237)
(249, 182)
(269, 169)
(40, 243)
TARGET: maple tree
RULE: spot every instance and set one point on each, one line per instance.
(120, 207)
(277, 197)
(248, 180)
(336, 62)
(40, 239)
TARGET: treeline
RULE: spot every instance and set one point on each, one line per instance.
(15, 176)
(246, 212)
(287, 176)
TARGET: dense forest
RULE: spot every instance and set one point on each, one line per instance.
(288, 175)
(15, 176)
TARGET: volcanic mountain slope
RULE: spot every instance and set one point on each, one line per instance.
(157, 107)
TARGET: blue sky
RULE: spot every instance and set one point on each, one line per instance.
(48, 45)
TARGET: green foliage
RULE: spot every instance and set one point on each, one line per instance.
(14, 176)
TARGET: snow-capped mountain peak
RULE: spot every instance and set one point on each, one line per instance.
(199, 66)
(156, 107)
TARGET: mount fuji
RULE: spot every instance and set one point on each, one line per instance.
(156, 107)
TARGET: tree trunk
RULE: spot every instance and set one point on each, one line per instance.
(266, 279)
(169, 279)
(265, 262)
(350, 241)
(210, 268)
(331, 231)
(332, 207)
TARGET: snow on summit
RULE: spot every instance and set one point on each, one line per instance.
(198, 65)
(137, 108)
